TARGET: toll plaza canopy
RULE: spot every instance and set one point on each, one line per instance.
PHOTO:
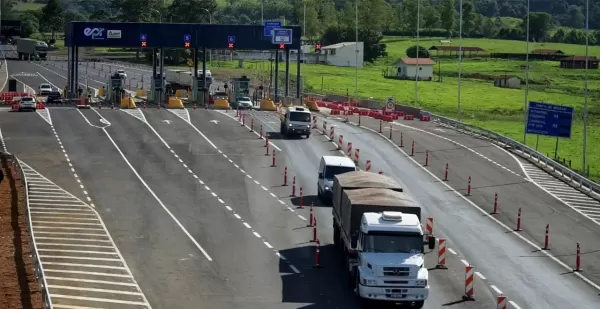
(155, 35)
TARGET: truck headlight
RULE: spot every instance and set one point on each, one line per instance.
(308, 126)
(290, 125)
(366, 281)
(421, 282)
(327, 188)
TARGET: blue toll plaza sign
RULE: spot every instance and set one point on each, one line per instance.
(269, 26)
(187, 37)
(549, 119)
(143, 37)
(231, 39)
(282, 36)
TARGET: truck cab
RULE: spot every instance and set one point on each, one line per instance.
(391, 261)
(295, 120)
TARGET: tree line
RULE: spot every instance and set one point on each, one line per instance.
(333, 21)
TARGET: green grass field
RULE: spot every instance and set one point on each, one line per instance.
(24, 6)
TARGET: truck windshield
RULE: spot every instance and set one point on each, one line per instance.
(393, 243)
(331, 171)
(41, 48)
(300, 117)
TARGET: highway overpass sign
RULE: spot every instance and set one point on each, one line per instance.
(282, 36)
(269, 26)
(549, 119)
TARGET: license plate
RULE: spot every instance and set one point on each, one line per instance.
(397, 296)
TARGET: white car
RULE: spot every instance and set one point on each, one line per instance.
(45, 89)
(244, 103)
(27, 103)
(122, 73)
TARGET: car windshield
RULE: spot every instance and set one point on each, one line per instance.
(300, 117)
(393, 243)
(45, 86)
(27, 99)
(331, 171)
(244, 99)
(120, 71)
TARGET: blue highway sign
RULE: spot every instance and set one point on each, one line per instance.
(549, 119)
(187, 38)
(143, 37)
(231, 39)
(269, 26)
(282, 36)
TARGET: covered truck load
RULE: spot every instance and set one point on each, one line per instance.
(184, 78)
(359, 201)
(361, 180)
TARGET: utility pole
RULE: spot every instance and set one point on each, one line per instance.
(526, 102)
(356, 56)
(585, 104)
(460, 29)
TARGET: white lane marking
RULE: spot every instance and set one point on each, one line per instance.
(577, 201)
(237, 216)
(486, 213)
(55, 250)
(465, 262)
(294, 268)
(247, 225)
(480, 275)
(166, 209)
(514, 305)
(90, 281)
(268, 245)
(495, 288)
(256, 234)
(451, 251)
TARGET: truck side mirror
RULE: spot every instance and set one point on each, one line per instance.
(321, 176)
(431, 242)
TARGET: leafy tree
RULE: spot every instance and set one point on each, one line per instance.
(488, 28)
(327, 13)
(576, 18)
(447, 16)
(138, 10)
(469, 17)
(30, 24)
(307, 10)
(409, 14)
(372, 40)
(52, 17)
(422, 52)
(6, 7)
(192, 11)
(540, 24)
(431, 17)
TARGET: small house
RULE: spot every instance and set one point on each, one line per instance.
(410, 68)
(344, 54)
(507, 81)
(578, 62)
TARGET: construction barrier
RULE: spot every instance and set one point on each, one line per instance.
(441, 253)
(469, 272)
(409, 117)
(139, 93)
(174, 103)
(502, 302)
(429, 226)
(101, 92)
(82, 103)
(311, 105)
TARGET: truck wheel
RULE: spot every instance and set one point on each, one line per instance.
(352, 277)
(419, 304)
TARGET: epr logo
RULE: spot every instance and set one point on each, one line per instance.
(94, 33)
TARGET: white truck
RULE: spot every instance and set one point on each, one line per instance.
(31, 49)
(183, 79)
(378, 230)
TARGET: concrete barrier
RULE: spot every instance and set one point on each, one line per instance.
(174, 103)
(267, 105)
(311, 104)
(127, 103)
(221, 104)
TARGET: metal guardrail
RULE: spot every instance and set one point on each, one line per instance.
(558, 170)
(37, 265)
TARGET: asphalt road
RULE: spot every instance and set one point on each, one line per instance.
(530, 279)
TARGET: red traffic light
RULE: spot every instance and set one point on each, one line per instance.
(281, 46)
(318, 47)
(230, 45)
(143, 43)
(187, 44)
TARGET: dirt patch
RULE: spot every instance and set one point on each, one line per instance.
(19, 287)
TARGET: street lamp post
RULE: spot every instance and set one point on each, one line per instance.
(159, 15)
(356, 56)
(417, 66)
(585, 104)
(525, 103)
(460, 29)
(210, 22)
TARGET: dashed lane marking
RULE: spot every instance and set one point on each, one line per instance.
(45, 114)
(215, 195)
(82, 266)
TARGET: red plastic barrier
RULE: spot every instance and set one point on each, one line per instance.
(409, 117)
(40, 106)
(334, 112)
(425, 118)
